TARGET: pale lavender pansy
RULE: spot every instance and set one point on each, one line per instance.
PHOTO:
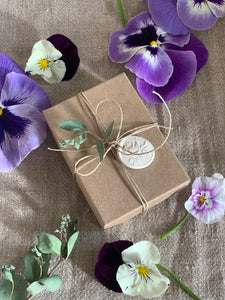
(178, 16)
(22, 125)
(162, 62)
(207, 202)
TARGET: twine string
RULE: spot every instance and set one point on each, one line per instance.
(115, 144)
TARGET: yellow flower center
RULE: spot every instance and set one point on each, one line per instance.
(44, 63)
(1, 111)
(143, 271)
(202, 199)
(153, 43)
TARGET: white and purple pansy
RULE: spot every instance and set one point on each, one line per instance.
(22, 125)
(139, 276)
(178, 16)
(55, 59)
(207, 202)
(162, 62)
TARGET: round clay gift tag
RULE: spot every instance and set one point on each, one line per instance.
(139, 145)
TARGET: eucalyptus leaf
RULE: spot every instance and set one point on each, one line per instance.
(52, 284)
(8, 272)
(73, 125)
(101, 149)
(36, 267)
(13, 290)
(108, 131)
(71, 243)
(48, 243)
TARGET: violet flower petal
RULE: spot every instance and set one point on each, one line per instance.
(185, 64)
(155, 69)
(217, 7)
(109, 260)
(195, 14)
(164, 14)
(206, 183)
(178, 40)
(22, 129)
(20, 89)
(197, 47)
(7, 65)
(69, 53)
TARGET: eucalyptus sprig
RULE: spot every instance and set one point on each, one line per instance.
(77, 126)
(38, 277)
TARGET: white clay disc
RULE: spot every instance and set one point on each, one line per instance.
(139, 145)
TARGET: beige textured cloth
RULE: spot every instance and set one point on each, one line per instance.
(35, 195)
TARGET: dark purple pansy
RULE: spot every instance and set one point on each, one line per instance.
(176, 16)
(109, 260)
(162, 62)
(69, 53)
(22, 125)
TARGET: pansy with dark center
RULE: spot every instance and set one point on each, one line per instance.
(178, 16)
(162, 62)
(22, 125)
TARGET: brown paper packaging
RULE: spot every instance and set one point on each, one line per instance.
(107, 190)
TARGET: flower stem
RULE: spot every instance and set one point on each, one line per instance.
(124, 20)
(179, 282)
(175, 228)
(58, 263)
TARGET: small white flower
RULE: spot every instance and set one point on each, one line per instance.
(45, 61)
(139, 276)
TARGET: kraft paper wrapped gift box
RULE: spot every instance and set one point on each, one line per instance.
(107, 190)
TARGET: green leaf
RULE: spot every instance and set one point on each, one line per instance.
(36, 267)
(71, 243)
(101, 149)
(16, 292)
(76, 142)
(73, 125)
(8, 271)
(108, 131)
(48, 243)
(51, 284)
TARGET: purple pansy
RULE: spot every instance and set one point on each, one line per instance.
(162, 62)
(109, 260)
(207, 202)
(54, 59)
(22, 125)
(178, 16)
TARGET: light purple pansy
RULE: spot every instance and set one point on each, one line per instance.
(178, 16)
(162, 62)
(207, 202)
(22, 125)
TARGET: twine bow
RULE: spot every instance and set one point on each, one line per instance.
(115, 144)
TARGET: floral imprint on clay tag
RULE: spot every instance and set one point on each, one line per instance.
(138, 145)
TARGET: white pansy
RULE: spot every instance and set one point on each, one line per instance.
(139, 276)
(45, 61)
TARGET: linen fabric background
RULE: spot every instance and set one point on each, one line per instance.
(36, 194)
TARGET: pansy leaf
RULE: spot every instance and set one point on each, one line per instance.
(101, 149)
(51, 284)
(36, 267)
(48, 243)
(73, 125)
(15, 290)
(108, 131)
